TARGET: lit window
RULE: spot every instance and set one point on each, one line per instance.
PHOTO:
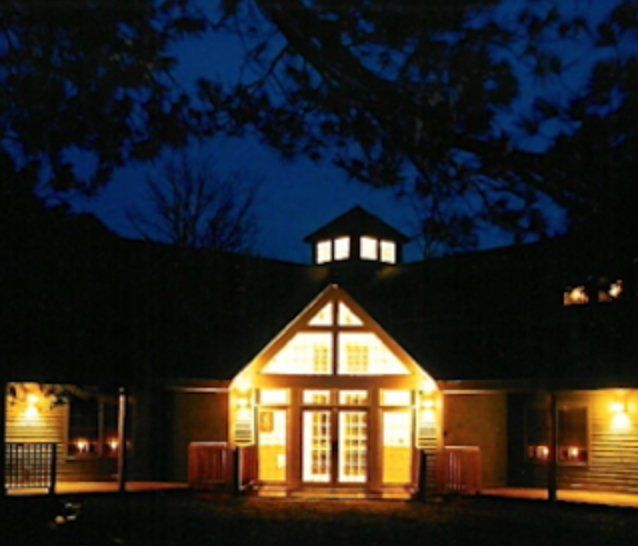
(342, 248)
(369, 248)
(365, 354)
(388, 252)
(306, 353)
(323, 317)
(395, 398)
(575, 296)
(572, 435)
(347, 317)
(324, 252)
(273, 397)
(316, 397)
(612, 292)
(353, 398)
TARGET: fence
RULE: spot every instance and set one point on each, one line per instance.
(459, 470)
(217, 465)
(30, 465)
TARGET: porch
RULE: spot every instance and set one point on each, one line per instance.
(601, 498)
(90, 488)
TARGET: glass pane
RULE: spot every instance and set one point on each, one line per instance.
(273, 397)
(395, 398)
(342, 248)
(368, 248)
(305, 353)
(347, 317)
(388, 252)
(397, 446)
(324, 252)
(272, 445)
(316, 446)
(323, 317)
(353, 446)
(353, 398)
(316, 397)
(365, 354)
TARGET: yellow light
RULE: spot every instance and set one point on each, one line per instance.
(620, 420)
(572, 452)
(82, 445)
(33, 399)
(542, 452)
(113, 444)
(428, 386)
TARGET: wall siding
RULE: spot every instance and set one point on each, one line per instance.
(613, 454)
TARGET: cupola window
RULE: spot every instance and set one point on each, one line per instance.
(342, 248)
(324, 252)
(369, 248)
(388, 252)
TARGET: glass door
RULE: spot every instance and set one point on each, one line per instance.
(317, 446)
(397, 446)
(353, 446)
(272, 445)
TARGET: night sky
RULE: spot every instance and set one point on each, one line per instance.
(295, 197)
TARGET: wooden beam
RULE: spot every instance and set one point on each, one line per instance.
(553, 445)
(121, 439)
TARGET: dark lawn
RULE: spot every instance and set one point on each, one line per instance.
(185, 519)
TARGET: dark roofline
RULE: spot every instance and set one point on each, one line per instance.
(356, 221)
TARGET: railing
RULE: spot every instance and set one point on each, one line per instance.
(216, 464)
(30, 465)
(460, 470)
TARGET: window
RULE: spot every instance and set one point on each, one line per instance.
(305, 353)
(388, 252)
(365, 354)
(369, 248)
(342, 248)
(323, 317)
(324, 252)
(353, 398)
(575, 296)
(347, 317)
(92, 427)
(572, 436)
(395, 397)
(316, 397)
(273, 397)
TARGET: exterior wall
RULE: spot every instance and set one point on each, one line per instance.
(480, 420)
(192, 417)
(612, 463)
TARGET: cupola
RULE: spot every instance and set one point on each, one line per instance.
(357, 236)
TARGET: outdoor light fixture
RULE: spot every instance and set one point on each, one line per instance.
(82, 445)
(620, 420)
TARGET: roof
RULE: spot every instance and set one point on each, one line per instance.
(124, 311)
(357, 221)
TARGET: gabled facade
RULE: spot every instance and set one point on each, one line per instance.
(334, 401)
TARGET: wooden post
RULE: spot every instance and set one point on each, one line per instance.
(423, 474)
(3, 418)
(121, 440)
(552, 445)
(53, 469)
(236, 469)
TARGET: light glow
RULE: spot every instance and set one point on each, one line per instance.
(113, 444)
(347, 317)
(82, 445)
(323, 317)
(365, 354)
(575, 296)
(395, 397)
(620, 420)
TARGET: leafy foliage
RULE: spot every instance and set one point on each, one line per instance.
(439, 100)
(89, 80)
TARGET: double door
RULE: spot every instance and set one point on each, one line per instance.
(334, 446)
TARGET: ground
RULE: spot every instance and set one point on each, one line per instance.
(187, 519)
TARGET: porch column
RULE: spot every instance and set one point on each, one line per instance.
(552, 445)
(3, 418)
(121, 439)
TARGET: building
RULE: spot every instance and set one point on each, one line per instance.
(515, 366)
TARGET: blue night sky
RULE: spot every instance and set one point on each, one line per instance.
(295, 197)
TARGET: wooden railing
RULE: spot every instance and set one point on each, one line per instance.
(30, 465)
(459, 470)
(217, 465)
